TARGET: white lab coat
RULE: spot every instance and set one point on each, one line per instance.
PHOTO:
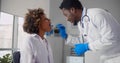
(101, 31)
(36, 50)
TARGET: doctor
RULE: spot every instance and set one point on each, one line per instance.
(36, 48)
(99, 31)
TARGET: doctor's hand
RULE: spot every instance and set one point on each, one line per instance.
(49, 33)
(62, 30)
(81, 48)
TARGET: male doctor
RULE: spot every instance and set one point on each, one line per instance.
(99, 30)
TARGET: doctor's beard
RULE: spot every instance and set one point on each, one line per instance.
(75, 23)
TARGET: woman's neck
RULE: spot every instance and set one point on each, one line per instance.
(41, 34)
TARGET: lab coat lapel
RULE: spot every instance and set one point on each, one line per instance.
(50, 52)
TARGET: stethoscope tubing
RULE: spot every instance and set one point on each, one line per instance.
(83, 25)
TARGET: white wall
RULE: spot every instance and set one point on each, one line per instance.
(57, 47)
(55, 13)
(56, 17)
(0, 5)
(19, 7)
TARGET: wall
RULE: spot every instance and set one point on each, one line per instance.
(0, 5)
(57, 47)
(56, 17)
(55, 13)
(19, 7)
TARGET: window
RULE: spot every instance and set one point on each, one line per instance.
(6, 33)
(11, 33)
(4, 52)
(21, 33)
(6, 28)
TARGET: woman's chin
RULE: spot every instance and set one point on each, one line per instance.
(49, 30)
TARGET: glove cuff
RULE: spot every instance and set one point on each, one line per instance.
(65, 36)
(86, 46)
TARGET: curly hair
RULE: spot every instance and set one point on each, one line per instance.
(32, 20)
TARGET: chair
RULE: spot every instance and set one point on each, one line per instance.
(16, 57)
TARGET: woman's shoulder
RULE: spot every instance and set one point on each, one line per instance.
(31, 36)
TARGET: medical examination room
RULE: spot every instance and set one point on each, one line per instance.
(59, 31)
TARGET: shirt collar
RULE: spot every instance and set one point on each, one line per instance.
(36, 35)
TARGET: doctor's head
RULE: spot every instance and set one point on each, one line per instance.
(36, 22)
(72, 10)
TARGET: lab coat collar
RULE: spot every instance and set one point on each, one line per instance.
(83, 13)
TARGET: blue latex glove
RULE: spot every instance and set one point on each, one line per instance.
(62, 31)
(49, 33)
(81, 48)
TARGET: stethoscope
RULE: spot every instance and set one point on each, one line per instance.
(84, 24)
(83, 18)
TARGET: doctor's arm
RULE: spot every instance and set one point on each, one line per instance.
(69, 39)
(105, 31)
(106, 38)
(80, 48)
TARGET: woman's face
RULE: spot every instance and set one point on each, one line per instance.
(45, 24)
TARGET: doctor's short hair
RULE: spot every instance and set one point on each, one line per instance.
(67, 4)
(32, 20)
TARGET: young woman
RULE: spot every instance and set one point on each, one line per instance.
(36, 49)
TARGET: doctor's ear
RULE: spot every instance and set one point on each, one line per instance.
(72, 10)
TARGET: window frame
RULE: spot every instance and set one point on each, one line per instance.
(14, 35)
